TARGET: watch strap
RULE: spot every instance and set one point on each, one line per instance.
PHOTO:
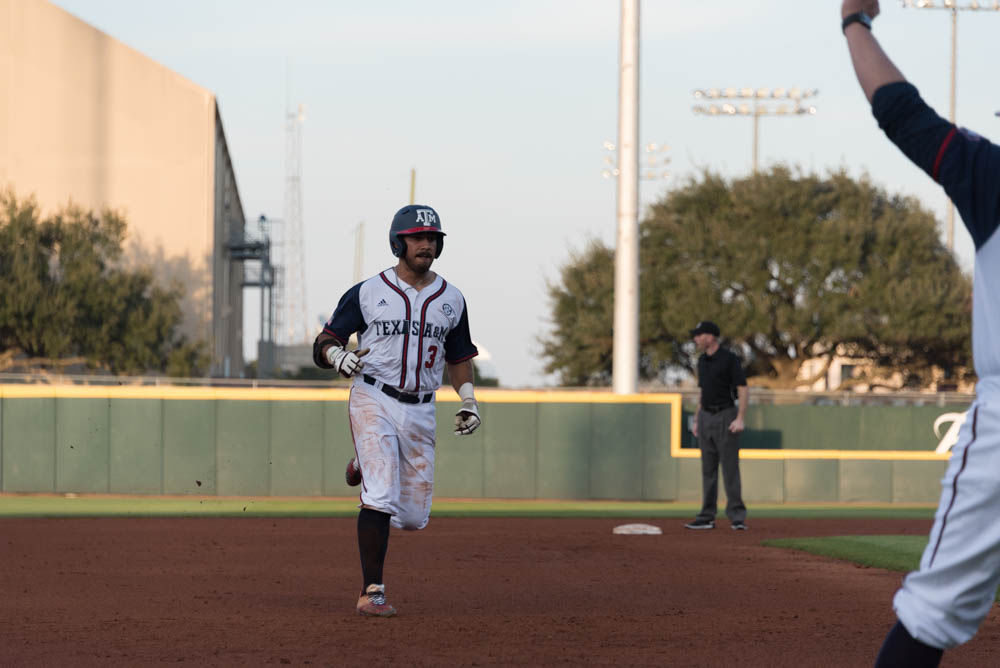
(856, 17)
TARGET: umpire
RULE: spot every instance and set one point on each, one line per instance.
(717, 426)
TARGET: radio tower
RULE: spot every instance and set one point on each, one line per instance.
(293, 325)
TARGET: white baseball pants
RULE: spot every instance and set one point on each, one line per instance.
(943, 604)
(394, 443)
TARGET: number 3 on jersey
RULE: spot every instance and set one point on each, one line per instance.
(432, 355)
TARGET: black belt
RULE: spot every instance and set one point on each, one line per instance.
(404, 397)
(717, 409)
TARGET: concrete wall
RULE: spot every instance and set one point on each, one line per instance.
(246, 442)
(227, 283)
(88, 120)
(554, 445)
(846, 454)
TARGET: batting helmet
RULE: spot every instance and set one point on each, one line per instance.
(414, 219)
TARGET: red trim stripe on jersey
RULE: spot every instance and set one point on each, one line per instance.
(463, 359)
(940, 153)
(334, 335)
(954, 486)
(406, 332)
(420, 340)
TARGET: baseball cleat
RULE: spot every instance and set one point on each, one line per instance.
(372, 603)
(738, 526)
(700, 524)
(353, 473)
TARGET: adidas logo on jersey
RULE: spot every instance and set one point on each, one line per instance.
(382, 302)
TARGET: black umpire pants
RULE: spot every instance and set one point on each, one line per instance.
(719, 445)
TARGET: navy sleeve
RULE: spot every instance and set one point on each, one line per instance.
(458, 345)
(347, 318)
(967, 165)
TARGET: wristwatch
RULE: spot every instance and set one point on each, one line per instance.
(856, 17)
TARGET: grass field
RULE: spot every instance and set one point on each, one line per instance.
(893, 553)
(99, 505)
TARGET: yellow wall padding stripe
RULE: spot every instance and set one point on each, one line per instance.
(309, 394)
(170, 392)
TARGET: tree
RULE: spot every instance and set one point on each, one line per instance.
(65, 298)
(791, 266)
(579, 346)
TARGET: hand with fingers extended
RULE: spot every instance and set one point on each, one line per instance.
(467, 419)
(346, 362)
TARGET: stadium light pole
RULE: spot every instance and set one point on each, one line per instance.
(755, 102)
(953, 8)
(625, 349)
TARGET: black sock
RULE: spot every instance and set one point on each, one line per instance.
(373, 543)
(901, 649)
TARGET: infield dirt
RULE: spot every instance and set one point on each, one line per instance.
(470, 592)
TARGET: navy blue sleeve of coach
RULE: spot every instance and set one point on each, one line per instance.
(458, 345)
(965, 164)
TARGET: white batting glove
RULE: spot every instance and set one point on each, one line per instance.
(467, 419)
(346, 362)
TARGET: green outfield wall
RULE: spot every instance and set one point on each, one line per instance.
(555, 445)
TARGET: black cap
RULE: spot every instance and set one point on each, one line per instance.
(705, 327)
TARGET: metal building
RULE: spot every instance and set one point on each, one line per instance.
(88, 120)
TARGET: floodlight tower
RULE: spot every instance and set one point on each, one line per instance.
(755, 102)
(625, 346)
(293, 317)
(359, 250)
(953, 7)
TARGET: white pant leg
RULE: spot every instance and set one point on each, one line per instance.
(377, 447)
(416, 466)
(395, 447)
(943, 604)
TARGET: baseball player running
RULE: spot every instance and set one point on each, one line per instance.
(410, 322)
(942, 604)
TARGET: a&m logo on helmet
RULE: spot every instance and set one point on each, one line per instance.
(426, 217)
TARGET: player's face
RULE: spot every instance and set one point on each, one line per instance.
(420, 250)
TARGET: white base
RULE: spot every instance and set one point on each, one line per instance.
(637, 530)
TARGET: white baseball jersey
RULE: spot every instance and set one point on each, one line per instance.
(411, 334)
(943, 604)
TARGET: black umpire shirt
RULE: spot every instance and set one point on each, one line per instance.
(718, 377)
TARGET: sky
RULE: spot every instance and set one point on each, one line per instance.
(502, 109)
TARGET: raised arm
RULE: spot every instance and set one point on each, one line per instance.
(965, 164)
(872, 66)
